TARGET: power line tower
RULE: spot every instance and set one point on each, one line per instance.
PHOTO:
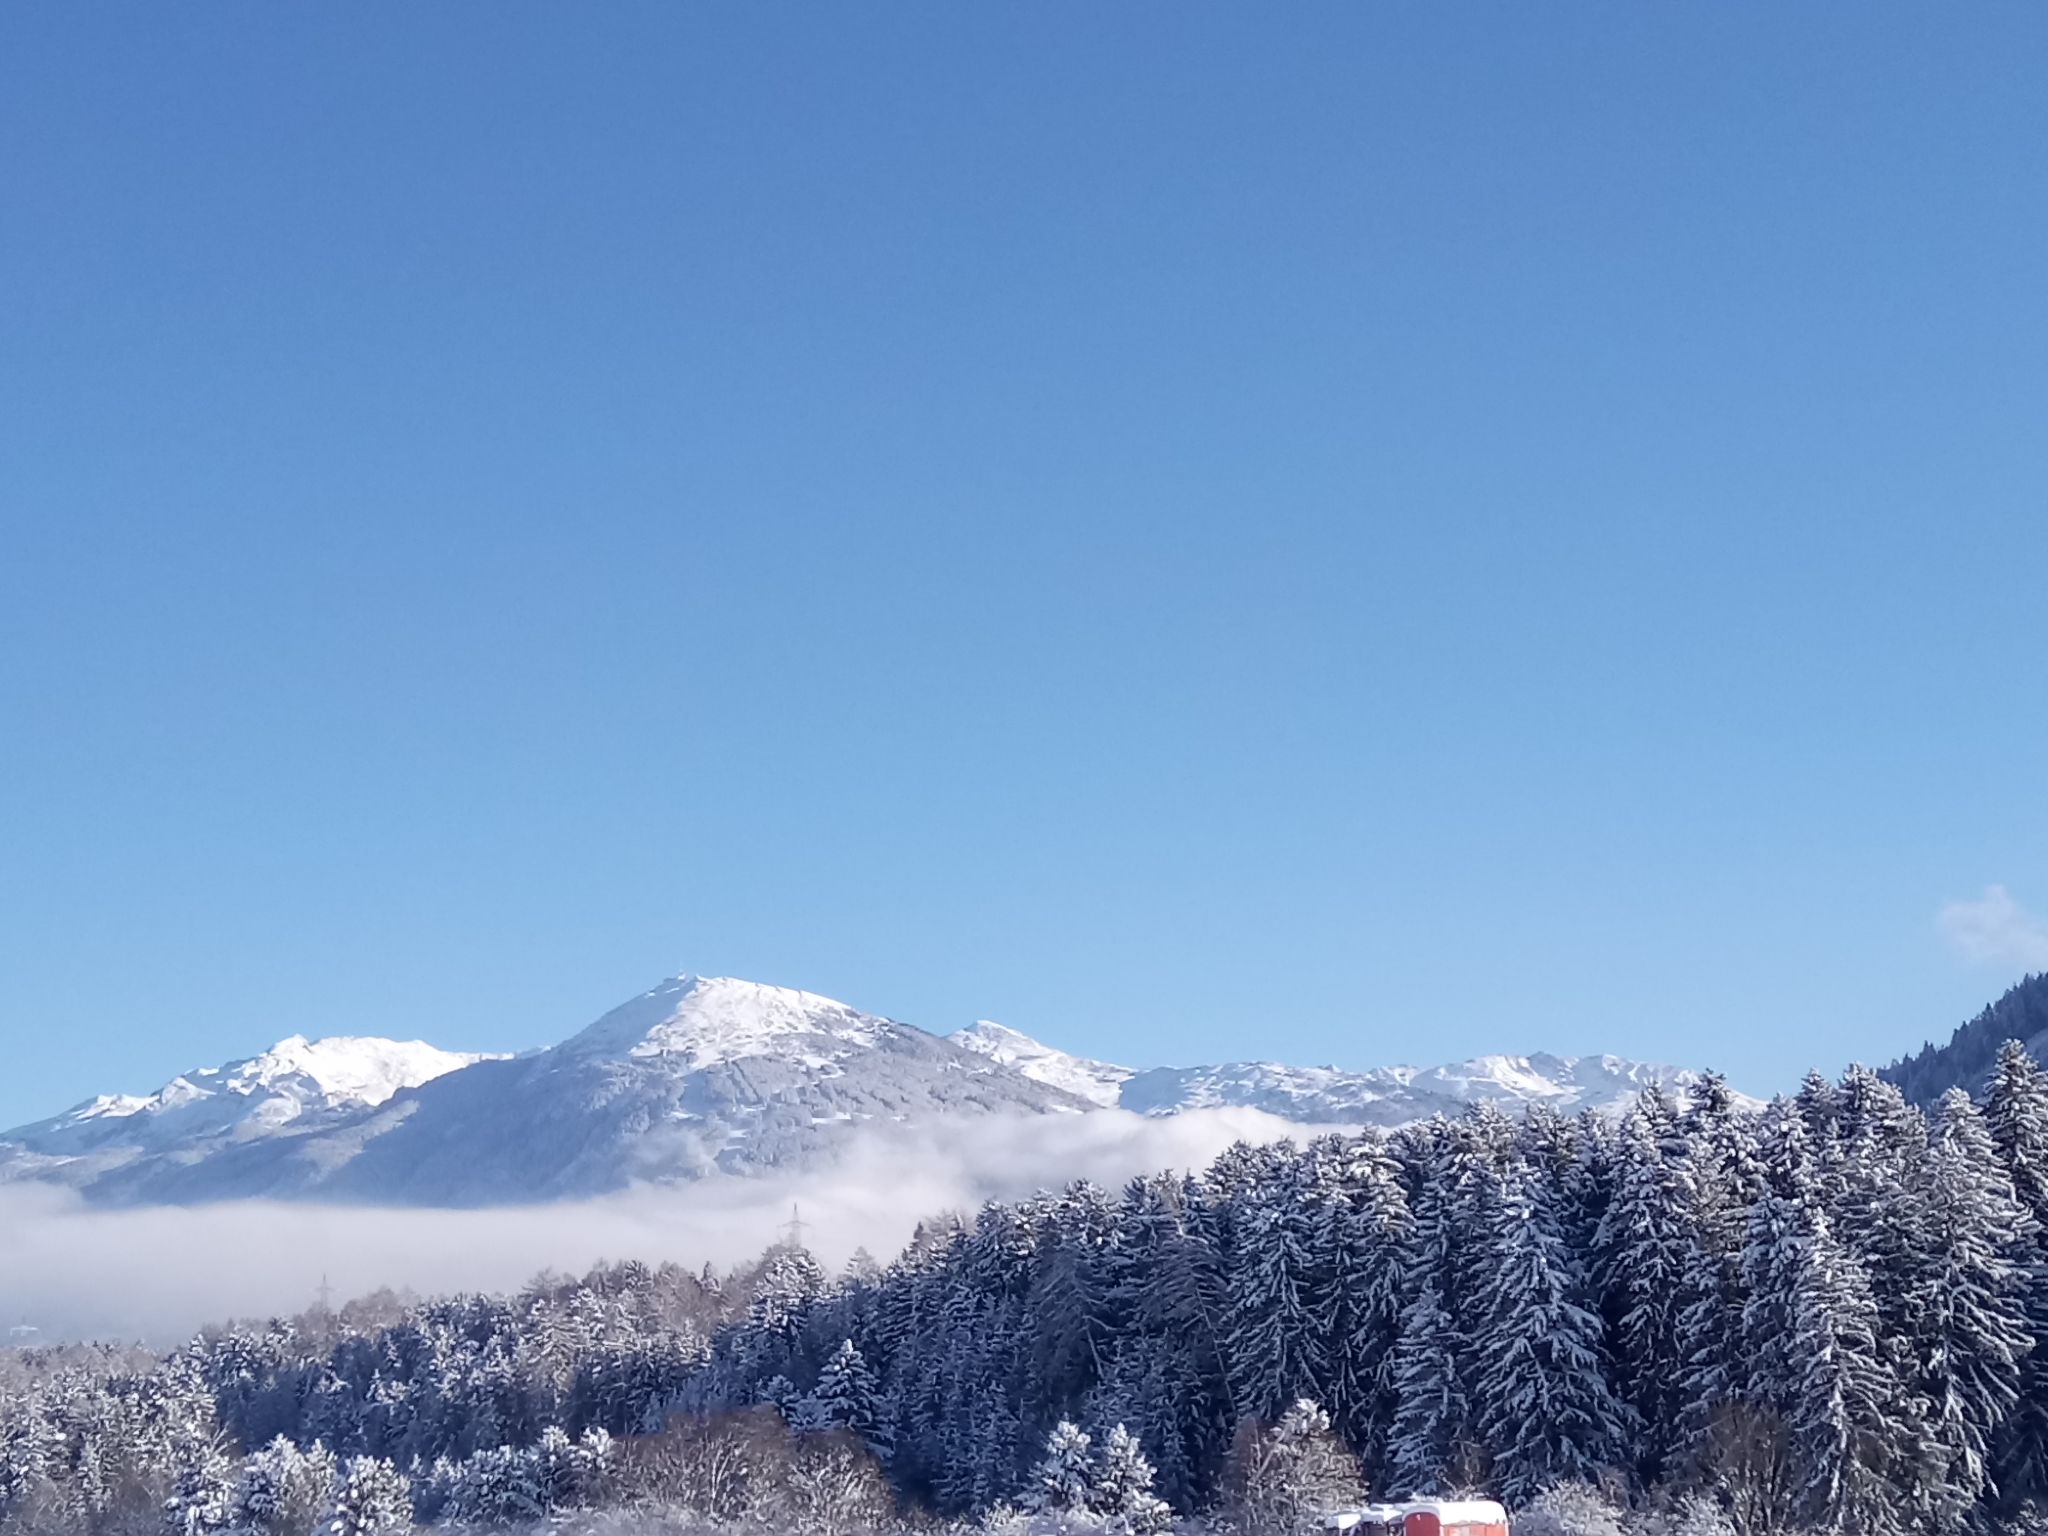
(793, 1229)
(325, 1295)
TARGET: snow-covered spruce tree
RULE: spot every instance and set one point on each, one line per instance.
(962, 1438)
(2016, 1113)
(1881, 1211)
(1174, 1294)
(1819, 1103)
(1726, 1180)
(1563, 1153)
(1123, 1486)
(1712, 1372)
(557, 1470)
(34, 1456)
(283, 1489)
(1544, 1409)
(1478, 1155)
(789, 1285)
(1063, 1482)
(371, 1498)
(202, 1501)
(1071, 1304)
(496, 1487)
(1818, 1377)
(1648, 1250)
(1278, 1337)
(1362, 1241)
(597, 1466)
(1973, 1330)
(1429, 1436)
(434, 1486)
(847, 1398)
(1427, 1440)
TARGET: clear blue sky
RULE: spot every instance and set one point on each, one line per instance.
(1353, 533)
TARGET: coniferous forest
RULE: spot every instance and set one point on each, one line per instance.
(1830, 1316)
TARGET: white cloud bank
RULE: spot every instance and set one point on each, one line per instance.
(1995, 930)
(157, 1273)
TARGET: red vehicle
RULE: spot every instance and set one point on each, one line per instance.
(1422, 1517)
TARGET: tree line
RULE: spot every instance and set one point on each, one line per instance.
(1829, 1316)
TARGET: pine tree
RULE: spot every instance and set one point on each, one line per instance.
(1648, 1251)
(1362, 1239)
(1064, 1480)
(1545, 1410)
(1179, 1303)
(790, 1284)
(2016, 1113)
(1816, 1364)
(1123, 1486)
(203, 1500)
(1881, 1211)
(1071, 1299)
(283, 1489)
(496, 1486)
(1278, 1341)
(1974, 1324)
(1427, 1440)
(371, 1499)
(847, 1398)
(557, 1470)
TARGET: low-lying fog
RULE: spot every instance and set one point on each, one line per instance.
(72, 1270)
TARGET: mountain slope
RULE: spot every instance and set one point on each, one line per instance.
(700, 1074)
(1966, 1060)
(696, 1076)
(295, 1088)
(1097, 1081)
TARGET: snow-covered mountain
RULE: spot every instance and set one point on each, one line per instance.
(297, 1086)
(1096, 1081)
(700, 1074)
(1384, 1096)
(697, 1075)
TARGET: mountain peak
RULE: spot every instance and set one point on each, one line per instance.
(705, 1020)
(347, 1069)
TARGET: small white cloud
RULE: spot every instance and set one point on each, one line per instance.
(1996, 930)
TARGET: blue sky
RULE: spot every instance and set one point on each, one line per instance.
(1363, 533)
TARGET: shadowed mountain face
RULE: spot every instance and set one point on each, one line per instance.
(697, 1076)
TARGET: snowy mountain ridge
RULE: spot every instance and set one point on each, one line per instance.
(1096, 1081)
(294, 1078)
(699, 1074)
(1384, 1096)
